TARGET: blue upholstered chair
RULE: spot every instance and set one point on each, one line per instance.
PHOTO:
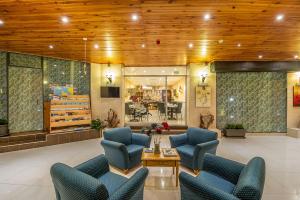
(92, 180)
(223, 179)
(192, 145)
(124, 149)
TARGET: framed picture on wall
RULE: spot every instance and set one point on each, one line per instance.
(296, 95)
(203, 96)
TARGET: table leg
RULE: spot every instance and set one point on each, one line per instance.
(177, 172)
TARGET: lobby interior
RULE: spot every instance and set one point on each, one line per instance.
(74, 75)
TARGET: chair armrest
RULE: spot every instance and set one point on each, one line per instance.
(201, 149)
(141, 139)
(178, 140)
(227, 169)
(116, 153)
(193, 188)
(70, 183)
(94, 167)
(134, 187)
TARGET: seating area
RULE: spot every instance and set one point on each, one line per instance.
(219, 178)
(149, 100)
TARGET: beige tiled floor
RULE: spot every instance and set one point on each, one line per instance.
(25, 174)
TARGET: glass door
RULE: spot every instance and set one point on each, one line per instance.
(176, 100)
(144, 99)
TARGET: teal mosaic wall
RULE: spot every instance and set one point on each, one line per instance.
(3, 86)
(24, 106)
(25, 99)
(255, 99)
(62, 72)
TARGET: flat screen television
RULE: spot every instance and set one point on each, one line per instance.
(110, 92)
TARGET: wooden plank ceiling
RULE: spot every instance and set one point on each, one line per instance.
(30, 26)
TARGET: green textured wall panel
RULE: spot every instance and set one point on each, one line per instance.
(25, 99)
(255, 99)
(3, 86)
(24, 60)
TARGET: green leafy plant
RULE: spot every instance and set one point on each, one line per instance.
(97, 124)
(234, 126)
(3, 122)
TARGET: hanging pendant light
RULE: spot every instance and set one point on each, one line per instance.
(84, 66)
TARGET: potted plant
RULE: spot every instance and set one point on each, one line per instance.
(234, 130)
(98, 125)
(3, 127)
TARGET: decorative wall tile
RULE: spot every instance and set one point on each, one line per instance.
(81, 77)
(62, 72)
(255, 99)
(24, 60)
(25, 99)
(3, 86)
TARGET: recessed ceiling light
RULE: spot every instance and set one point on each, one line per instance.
(191, 45)
(239, 45)
(65, 19)
(279, 17)
(1, 22)
(145, 71)
(84, 39)
(143, 45)
(96, 46)
(260, 56)
(220, 41)
(206, 16)
(163, 71)
(296, 56)
(134, 17)
(51, 46)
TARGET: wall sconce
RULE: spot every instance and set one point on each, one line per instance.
(203, 75)
(298, 76)
(109, 74)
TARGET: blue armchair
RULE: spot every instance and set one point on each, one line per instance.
(223, 179)
(92, 180)
(192, 145)
(124, 149)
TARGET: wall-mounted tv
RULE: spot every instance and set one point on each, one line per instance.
(110, 92)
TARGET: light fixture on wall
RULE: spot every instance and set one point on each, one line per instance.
(298, 76)
(109, 74)
(203, 75)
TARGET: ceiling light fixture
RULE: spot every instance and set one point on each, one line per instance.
(1, 22)
(206, 17)
(279, 17)
(220, 41)
(143, 45)
(51, 46)
(239, 45)
(134, 17)
(96, 46)
(260, 56)
(65, 19)
(191, 45)
(296, 56)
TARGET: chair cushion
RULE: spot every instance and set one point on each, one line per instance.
(112, 182)
(186, 150)
(134, 149)
(216, 181)
(199, 135)
(121, 135)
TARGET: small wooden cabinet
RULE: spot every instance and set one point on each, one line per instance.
(67, 111)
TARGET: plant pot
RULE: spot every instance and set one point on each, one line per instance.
(4, 130)
(234, 132)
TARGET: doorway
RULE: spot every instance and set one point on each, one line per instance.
(155, 95)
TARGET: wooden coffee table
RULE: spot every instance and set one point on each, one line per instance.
(159, 160)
